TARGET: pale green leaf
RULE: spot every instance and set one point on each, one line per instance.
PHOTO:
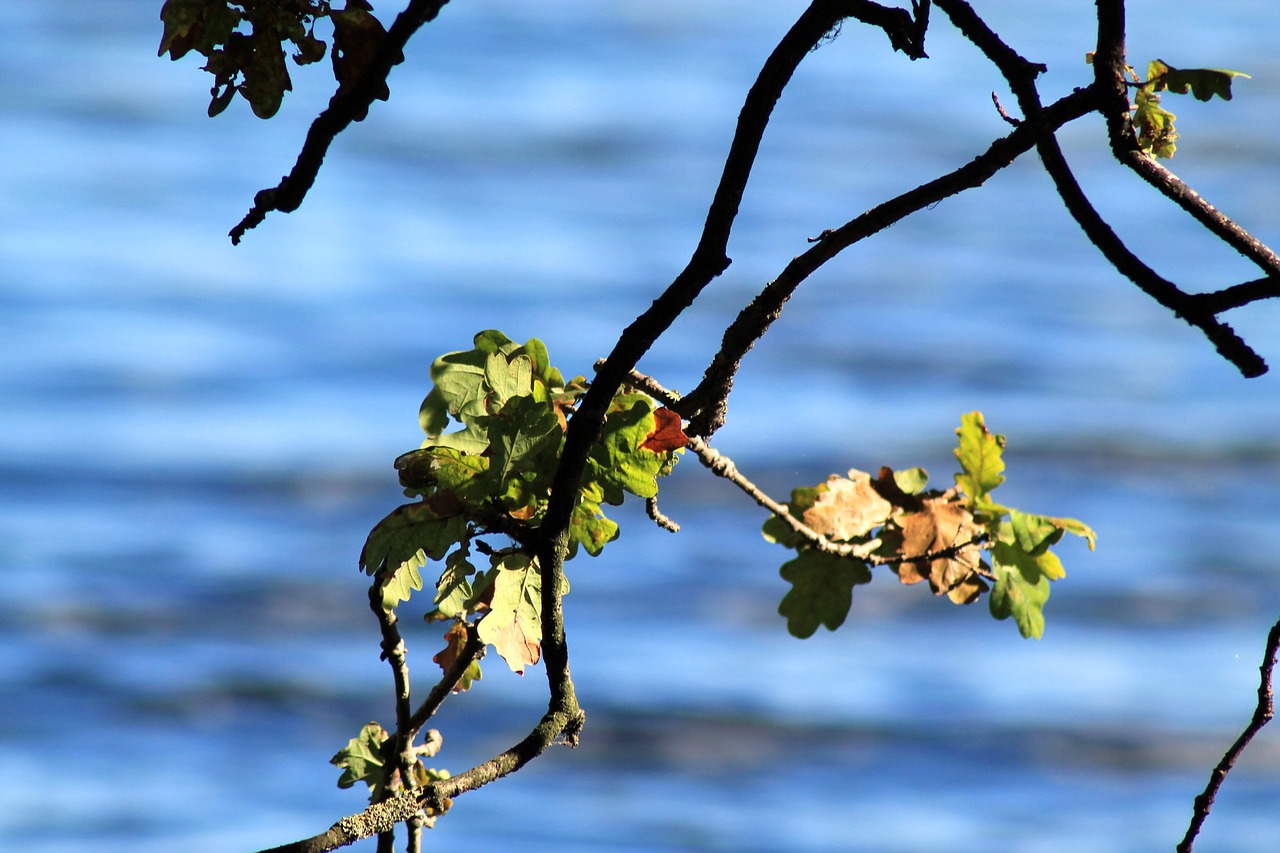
(362, 759)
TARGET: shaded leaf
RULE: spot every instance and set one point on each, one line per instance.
(821, 591)
(408, 528)
(402, 581)
(455, 641)
(1203, 83)
(519, 435)
(453, 590)
(357, 35)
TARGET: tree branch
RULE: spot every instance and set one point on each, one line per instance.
(472, 651)
(1021, 75)
(706, 406)
(343, 109)
(707, 262)
(393, 652)
(1262, 714)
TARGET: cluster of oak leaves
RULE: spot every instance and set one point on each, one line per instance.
(481, 491)
(244, 43)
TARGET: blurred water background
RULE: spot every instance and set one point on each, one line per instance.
(196, 438)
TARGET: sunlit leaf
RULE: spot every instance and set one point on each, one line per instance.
(980, 455)
(408, 529)
(513, 625)
(848, 508)
(363, 759)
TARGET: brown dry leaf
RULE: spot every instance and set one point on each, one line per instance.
(942, 522)
(666, 435)
(456, 638)
(849, 508)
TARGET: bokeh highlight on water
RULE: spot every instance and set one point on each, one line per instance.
(196, 438)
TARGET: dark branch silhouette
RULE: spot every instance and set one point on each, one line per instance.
(705, 407)
(1262, 714)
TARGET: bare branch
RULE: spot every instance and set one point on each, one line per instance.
(343, 109)
(706, 405)
(659, 517)
(1021, 74)
(1262, 714)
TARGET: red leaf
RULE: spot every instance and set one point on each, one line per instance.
(667, 435)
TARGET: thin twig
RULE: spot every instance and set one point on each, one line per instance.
(1262, 714)
(724, 467)
(659, 517)
(472, 651)
(995, 99)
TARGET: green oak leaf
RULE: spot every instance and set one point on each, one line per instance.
(460, 391)
(198, 25)
(363, 760)
(911, 480)
(1021, 589)
(617, 461)
(979, 453)
(589, 527)
(453, 590)
(1032, 566)
(1034, 534)
(821, 590)
(520, 435)
(266, 77)
(404, 532)
(507, 378)
(403, 581)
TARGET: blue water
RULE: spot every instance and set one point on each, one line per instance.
(196, 438)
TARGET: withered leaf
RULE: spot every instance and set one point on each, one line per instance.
(943, 524)
(848, 508)
(667, 434)
(455, 641)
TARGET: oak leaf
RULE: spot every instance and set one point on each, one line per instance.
(945, 529)
(849, 508)
(667, 434)
(455, 641)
